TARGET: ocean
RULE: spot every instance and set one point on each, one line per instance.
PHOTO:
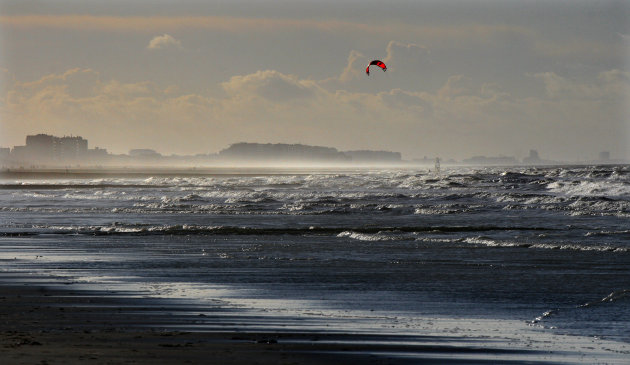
(495, 252)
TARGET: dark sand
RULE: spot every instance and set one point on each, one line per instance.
(42, 323)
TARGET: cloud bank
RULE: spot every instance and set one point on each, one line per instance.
(462, 117)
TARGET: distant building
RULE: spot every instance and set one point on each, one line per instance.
(533, 158)
(40, 147)
(281, 152)
(19, 153)
(5, 157)
(70, 148)
(47, 149)
(5, 152)
(97, 154)
(144, 153)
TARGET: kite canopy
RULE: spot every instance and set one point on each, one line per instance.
(377, 63)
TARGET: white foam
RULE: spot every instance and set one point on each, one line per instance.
(370, 236)
(547, 246)
(601, 188)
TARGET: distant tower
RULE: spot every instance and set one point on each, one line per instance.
(437, 164)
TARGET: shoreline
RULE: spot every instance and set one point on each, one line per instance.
(44, 324)
(48, 322)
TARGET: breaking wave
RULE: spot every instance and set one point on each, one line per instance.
(612, 297)
(484, 241)
(352, 232)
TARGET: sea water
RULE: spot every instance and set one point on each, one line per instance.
(368, 250)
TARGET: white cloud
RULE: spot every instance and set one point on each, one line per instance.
(612, 84)
(163, 42)
(406, 53)
(74, 82)
(352, 71)
(271, 85)
(456, 85)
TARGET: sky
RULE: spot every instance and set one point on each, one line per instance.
(464, 78)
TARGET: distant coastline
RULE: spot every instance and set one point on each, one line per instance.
(58, 155)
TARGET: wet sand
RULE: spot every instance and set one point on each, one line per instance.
(59, 324)
(43, 324)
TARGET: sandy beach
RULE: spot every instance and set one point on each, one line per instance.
(41, 324)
